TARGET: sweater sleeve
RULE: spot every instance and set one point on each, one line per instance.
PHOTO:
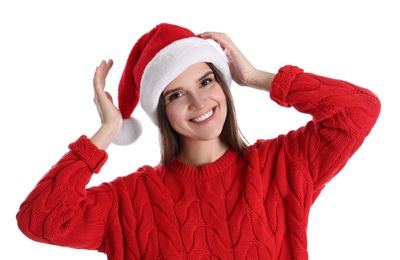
(343, 114)
(60, 210)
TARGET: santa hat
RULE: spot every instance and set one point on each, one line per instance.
(157, 58)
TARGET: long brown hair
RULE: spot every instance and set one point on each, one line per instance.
(231, 134)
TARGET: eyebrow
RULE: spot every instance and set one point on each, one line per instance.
(198, 80)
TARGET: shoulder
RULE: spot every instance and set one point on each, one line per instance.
(138, 182)
(143, 172)
(262, 146)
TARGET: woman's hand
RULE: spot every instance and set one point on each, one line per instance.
(241, 68)
(243, 72)
(111, 119)
(109, 114)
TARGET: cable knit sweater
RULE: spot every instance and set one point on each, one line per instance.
(253, 205)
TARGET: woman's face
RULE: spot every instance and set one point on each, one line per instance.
(195, 104)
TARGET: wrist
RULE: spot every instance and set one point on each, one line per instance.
(262, 80)
(105, 135)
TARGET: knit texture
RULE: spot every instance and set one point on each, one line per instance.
(249, 206)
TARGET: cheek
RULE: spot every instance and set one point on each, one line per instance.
(224, 105)
(224, 108)
(220, 97)
(174, 114)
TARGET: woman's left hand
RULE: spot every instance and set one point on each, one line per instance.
(241, 69)
(243, 72)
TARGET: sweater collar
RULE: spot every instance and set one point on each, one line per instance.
(205, 171)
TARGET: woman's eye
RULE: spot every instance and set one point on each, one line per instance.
(206, 82)
(174, 96)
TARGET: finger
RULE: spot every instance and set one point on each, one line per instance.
(101, 73)
(208, 34)
(104, 68)
(220, 38)
(110, 64)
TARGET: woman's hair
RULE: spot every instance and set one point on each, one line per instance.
(231, 134)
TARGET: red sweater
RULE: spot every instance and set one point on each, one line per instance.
(249, 206)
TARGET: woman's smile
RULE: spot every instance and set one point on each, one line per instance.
(204, 117)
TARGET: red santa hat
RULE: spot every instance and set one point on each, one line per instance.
(157, 58)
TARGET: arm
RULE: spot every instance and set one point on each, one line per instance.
(60, 210)
(343, 114)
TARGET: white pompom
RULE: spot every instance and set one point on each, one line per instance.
(129, 133)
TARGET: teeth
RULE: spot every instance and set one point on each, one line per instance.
(203, 117)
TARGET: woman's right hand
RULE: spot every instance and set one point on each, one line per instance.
(109, 114)
(111, 119)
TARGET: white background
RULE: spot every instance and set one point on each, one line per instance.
(49, 50)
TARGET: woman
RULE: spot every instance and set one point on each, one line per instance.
(212, 196)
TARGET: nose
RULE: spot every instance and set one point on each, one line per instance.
(197, 101)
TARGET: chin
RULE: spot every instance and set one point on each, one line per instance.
(211, 136)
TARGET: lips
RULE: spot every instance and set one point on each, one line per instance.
(203, 117)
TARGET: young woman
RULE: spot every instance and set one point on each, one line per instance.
(213, 196)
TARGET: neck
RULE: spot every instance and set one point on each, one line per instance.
(198, 153)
